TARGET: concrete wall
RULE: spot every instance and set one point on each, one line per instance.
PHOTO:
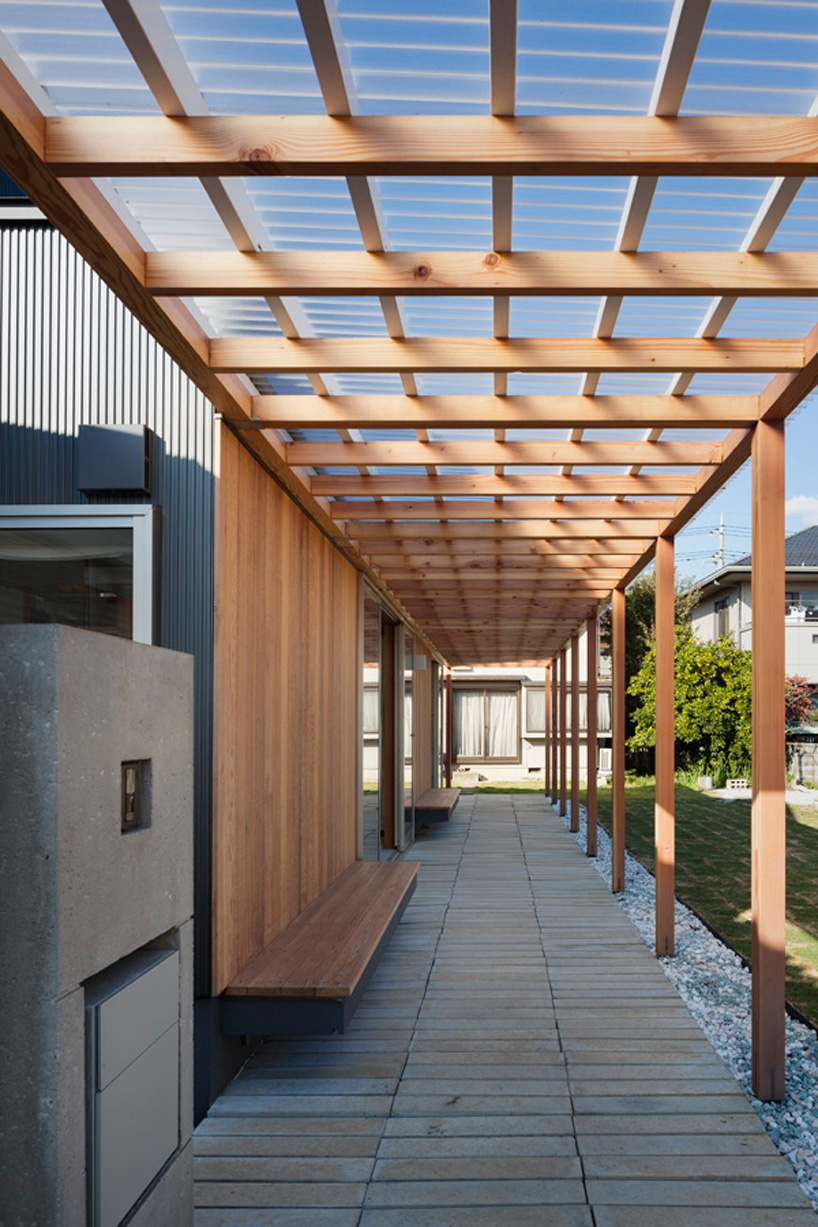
(77, 894)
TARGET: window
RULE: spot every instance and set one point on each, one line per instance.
(535, 710)
(487, 724)
(722, 617)
(89, 567)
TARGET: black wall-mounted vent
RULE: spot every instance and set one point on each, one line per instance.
(113, 458)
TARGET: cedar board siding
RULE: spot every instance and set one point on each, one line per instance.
(286, 737)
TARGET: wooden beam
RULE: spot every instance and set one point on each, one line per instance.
(510, 485)
(769, 764)
(585, 530)
(700, 146)
(521, 452)
(510, 509)
(559, 553)
(378, 355)
(664, 831)
(592, 638)
(618, 773)
(213, 274)
(575, 732)
(486, 554)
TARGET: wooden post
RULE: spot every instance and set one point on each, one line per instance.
(664, 809)
(591, 738)
(449, 728)
(575, 732)
(547, 745)
(618, 781)
(563, 731)
(554, 730)
(769, 762)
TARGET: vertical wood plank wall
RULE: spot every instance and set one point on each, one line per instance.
(285, 735)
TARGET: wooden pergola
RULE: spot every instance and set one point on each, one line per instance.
(499, 523)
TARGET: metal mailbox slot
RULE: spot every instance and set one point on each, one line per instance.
(132, 1016)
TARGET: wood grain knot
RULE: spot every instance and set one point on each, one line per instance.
(492, 260)
(422, 272)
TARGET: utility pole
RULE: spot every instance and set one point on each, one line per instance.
(719, 559)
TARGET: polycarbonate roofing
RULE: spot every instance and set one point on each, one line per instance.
(434, 57)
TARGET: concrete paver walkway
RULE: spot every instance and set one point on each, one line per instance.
(519, 1059)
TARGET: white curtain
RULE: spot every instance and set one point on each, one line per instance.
(467, 716)
(603, 707)
(502, 725)
(407, 723)
(371, 710)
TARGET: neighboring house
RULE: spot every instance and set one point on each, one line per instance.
(725, 605)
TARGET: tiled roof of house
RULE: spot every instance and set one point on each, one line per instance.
(801, 550)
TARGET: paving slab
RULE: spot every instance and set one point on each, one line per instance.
(513, 977)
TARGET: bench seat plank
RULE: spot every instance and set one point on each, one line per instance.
(438, 798)
(326, 950)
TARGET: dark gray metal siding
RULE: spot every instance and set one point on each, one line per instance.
(71, 353)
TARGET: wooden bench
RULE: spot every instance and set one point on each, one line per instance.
(436, 804)
(310, 979)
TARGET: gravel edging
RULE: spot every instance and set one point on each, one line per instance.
(715, 986)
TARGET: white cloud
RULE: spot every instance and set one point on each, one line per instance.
(804, 507)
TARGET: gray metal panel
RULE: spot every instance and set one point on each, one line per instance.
(132, 1019)
(137, 1128)
(72, 354)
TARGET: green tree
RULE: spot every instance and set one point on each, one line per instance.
(713, 705)
(640, 626)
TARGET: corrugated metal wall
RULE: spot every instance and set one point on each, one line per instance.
(71, 353)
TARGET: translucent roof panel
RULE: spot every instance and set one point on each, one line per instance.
(345, 317)
(756, 57)
(567, 214)
(176, 214)
(702, 214)
(661, 317)
(435, 214)
(591, 55)
(306, 214)
(448, 317)
(249, 58)
(790, 317)
(428, 58)
(558, 317)
(75, 52)
(239, 317)
(799, 229)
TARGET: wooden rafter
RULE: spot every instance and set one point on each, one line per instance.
(375, 355)
(517, 509)
(700, 146)
(509, 412)
(521, 273)
(519, 452)
(509, 485)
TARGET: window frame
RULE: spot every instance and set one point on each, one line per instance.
(141, 518)
(473, 687)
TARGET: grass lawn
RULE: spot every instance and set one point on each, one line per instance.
(713, 872)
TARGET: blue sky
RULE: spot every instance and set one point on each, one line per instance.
(696, 545)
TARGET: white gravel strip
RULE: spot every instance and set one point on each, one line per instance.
(715, 987)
